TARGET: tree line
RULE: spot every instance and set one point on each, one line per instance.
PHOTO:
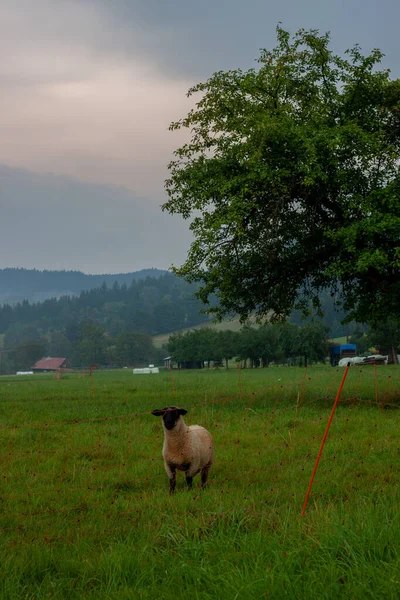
(104, 326)
(112, 326)
(17, 284)
(88, 343)
(84, 344)
(154, 305)
(278, 343)
(253, 347)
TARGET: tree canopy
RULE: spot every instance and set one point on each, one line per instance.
(283, 342)
(154, 305)
(290, 177)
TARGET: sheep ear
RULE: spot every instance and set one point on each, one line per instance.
(158, 412)
(182, 411)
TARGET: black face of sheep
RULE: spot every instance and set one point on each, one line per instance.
(170, 415)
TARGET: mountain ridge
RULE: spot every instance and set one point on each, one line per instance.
(36, 285)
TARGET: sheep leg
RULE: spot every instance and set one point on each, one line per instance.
(171, 472)
(172, 482)
(204, 476)
(189, 481)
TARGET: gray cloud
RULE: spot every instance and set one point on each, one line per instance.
(57, 223)
(88, 89)
(69, 106)
(225, 34)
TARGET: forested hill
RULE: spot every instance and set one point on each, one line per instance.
(162, 303)
(34, 285)
(153, 305)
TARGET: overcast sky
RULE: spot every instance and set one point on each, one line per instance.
(87, 90)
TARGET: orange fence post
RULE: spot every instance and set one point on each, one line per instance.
(324, 439)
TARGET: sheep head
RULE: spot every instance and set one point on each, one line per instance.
(170, 415)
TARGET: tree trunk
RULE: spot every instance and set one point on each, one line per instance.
(392, 356)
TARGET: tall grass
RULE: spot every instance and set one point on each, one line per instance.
(84, 504)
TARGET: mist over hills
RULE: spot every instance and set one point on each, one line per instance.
(99, 323)
(142, 290)
(34, 285)
(111, 319)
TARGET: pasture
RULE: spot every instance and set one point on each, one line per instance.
(84, 504)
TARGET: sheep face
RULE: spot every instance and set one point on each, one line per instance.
(170, 415)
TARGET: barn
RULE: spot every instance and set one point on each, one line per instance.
(51, 364)
(168, 362)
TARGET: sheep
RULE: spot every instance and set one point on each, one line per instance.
(189, 449)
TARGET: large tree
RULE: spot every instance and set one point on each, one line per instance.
(290, 177)
(386, 337)
(134, 347)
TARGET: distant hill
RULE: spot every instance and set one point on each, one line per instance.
(100, 324)
(34, 285)
(153, 305)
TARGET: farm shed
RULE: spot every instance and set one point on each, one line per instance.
(168, 362)
(51, 364)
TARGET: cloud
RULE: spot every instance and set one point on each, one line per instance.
(55, 222)
(226, 34)
(70, 107)
(88, 89)
(111, 127)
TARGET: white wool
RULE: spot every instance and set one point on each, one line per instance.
(188, 448)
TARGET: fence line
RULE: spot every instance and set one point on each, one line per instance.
(81, 473)
(190, 406)
(328, 425)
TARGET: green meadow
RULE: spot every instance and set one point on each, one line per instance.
(84, 504)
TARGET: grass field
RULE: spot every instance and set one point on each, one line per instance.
(340, 340)
(85, 509)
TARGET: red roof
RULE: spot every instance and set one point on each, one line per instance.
(49, 363)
